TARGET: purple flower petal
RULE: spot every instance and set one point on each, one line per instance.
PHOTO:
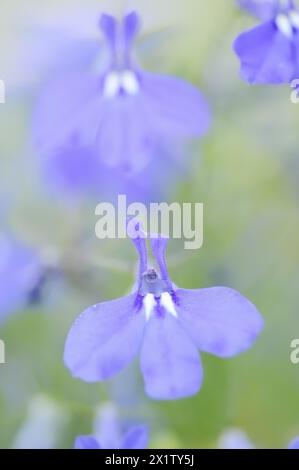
(158, 246)
(131, 24)
(107, 427)
(136, 438)
(86, 442)
(263, 9)
(178, 108)
(139, 242)
(125, 136)
(294, 444)
(170, 362)
(73, 170)
(235, 439)
(104, 339)
(108, 25)
(20, 271)
(69, 112)
(220, 320)
(266, 55)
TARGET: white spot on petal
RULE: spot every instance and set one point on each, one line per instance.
(130, 83)
(149, 303)
(284, 24)
(294, 18)
(112, 85)
(167, 303)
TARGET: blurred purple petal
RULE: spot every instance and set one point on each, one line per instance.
(170, 362)
(20, 271)
(234, 438)
(294, 445)
(104, 339)
(131, 24)
(177, 107)
(108, 25)
(263, 9)
(125, 137)
(108, 432)
(266, 55)
(136, 438)
(107, 427)
(123, 131)
(86, 442)
(220, 320)
(73, 170)
(68, 111)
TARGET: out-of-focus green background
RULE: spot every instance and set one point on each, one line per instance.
(246, 172)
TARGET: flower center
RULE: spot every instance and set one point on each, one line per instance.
(156, 294)
(117, 83)
(164, 301)
(287, 19)
(152, 283)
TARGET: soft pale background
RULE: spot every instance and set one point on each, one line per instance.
(246, 173)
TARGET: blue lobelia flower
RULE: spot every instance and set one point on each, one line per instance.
(166, 325)
(122, 113)
(20, 272)
(111, 434)
(269, 53)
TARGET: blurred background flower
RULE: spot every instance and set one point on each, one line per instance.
(268, 52)
(234, 439)
(119, 117)
(21, 273)
(237, 439)
(111, 433)
(43, 426)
